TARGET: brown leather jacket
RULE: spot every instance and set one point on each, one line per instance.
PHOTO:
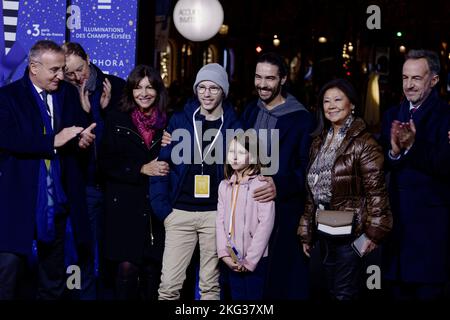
(357, 177)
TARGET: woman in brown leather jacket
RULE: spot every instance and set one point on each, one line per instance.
(345, 173)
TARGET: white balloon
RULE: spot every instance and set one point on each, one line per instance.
(198, 20)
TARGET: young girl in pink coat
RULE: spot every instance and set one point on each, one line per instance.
(243, 225)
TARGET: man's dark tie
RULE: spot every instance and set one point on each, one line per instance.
(44, 95)
(412, 110)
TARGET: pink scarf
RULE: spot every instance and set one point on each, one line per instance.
(148, 124)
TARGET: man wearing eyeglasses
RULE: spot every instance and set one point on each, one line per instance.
(41, 140)
(186, 199)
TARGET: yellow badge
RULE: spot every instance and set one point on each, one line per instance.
(201, 188)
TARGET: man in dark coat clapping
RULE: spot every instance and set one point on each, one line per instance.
(417, 154)
(40, 171)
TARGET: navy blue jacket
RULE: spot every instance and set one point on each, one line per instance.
(419, 189)
(164, 191)
(288, 269)
(22, 146)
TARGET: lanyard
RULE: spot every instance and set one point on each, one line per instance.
(233, 210)
(198, 139)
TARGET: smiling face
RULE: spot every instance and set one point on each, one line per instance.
(210, 95)
(47, 70)
(268, 82)
(336, 106)
(418, 81)
(144, 95)
(77, 70)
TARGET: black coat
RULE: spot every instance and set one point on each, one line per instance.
(129, 222)
(22, 146)
(418, 249)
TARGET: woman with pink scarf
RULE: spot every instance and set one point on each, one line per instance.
(133, 239)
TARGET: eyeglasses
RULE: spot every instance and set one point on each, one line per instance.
(212, 90)
(54, 71)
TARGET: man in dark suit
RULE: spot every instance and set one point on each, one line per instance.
(278, 110)
(40, 171)
(414, 135)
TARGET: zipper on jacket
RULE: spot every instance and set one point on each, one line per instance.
(152, 238)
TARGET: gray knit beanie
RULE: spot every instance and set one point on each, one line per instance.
(213, 72)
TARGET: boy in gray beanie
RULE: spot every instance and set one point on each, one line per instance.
(213, 72)
(186, 200)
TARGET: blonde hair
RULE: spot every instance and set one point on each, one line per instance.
(252, 168)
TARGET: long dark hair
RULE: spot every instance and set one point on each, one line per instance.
(135, 76)
(347, 88)
(253, 168)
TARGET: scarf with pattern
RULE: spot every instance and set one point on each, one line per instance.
(148, 124)
(320, 173)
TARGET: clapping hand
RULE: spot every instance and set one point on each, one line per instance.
(407, 134)
(395, 143)
(403, 135)
(106, 94)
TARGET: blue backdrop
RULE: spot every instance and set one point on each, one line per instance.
(105, 28)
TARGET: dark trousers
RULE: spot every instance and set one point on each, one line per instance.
(149, 279)
(90, 264)
(138, 281)
(51, 266)
(405, 291)
(248, 285)
(342, 268)
(11, 267)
